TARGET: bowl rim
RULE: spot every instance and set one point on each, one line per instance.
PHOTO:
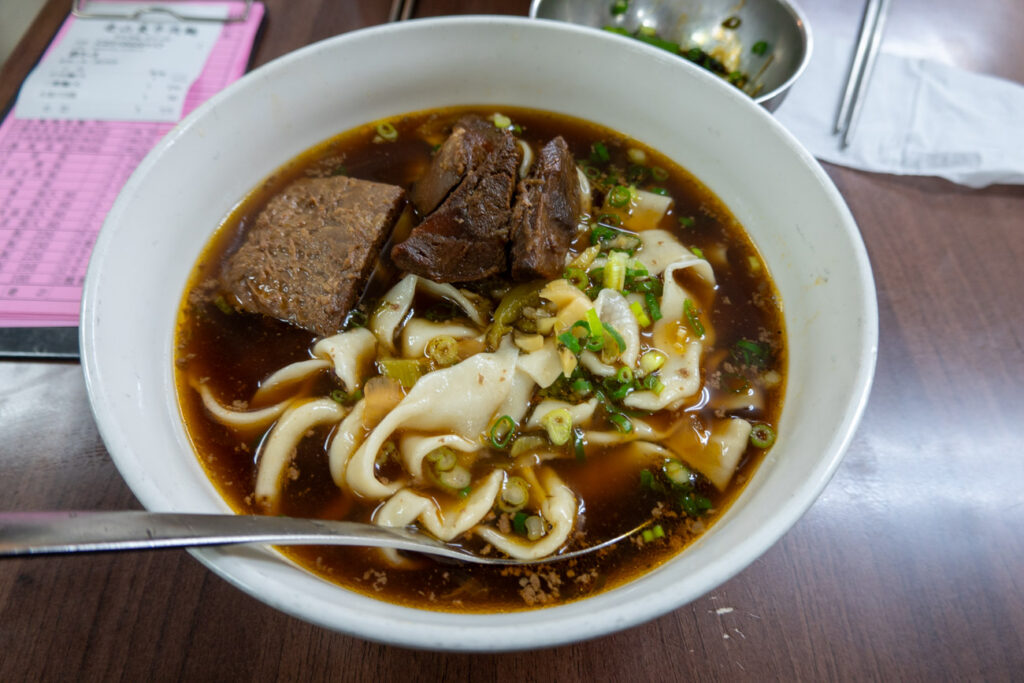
(485, 626)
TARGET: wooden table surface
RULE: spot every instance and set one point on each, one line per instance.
(909, 566)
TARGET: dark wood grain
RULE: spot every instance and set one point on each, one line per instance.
(909, 567)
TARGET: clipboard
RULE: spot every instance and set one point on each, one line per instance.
(45, 207)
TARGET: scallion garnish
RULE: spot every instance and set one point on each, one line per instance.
(652, 306)
(686, 221)
(614, 334)
(502, 431)
(558, 425)
(697, 251)
(658, 173)
(570, 341)
(619, 7)
(387, 131)
(578, 445)
(578, 277)
(599, 153)
(759, 48)
(640, 314)
(621, 422)
(693, 318)
(619, 196)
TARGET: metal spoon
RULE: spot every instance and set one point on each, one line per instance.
(50, 533)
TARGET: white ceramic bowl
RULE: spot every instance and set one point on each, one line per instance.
(194, 177)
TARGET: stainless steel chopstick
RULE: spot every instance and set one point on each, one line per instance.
(863, 64)
(401, 10)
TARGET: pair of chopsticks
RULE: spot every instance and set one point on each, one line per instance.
(860, 69)
(401, 10)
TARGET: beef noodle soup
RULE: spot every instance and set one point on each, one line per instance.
(515, 331)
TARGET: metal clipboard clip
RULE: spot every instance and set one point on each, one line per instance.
(79, 8)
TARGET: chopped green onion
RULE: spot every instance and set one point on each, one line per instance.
(456, 478)
(534, 527)
(678, 473)
(735, 77)
(693, 318)
(732, 22)
(747, 352)
(614, 334)
(621, 422)
(610, 219)
(578, 446)
(652, 361)
(654, 40)
(762, 435)
(501, 121)
(615, 270)
(519, 522)
(618, 392)
(658, 190)
(652, 306)
(465, 491)
(387, 131)
(646, 479)
(570, 341)
(442, 458)
(759, 48)
(624, 375)
(658, 173)
(640, 314)
(619, 196)
(686, 221)
(658, 531)
(592, 172)
(515, 494)
(637, 156)
(582, 387)
(654, 383)
(599, 153)
(637, 173)
(594, 325)
(443, 350)
(578, 277)
(558, 425)
(619, 7)
(502, 431)
(648, 536)
(697, 251)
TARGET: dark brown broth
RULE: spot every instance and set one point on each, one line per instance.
(233, 353)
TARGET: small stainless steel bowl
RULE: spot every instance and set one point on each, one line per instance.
(710, 25)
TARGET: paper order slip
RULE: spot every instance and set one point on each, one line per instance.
(104, 93)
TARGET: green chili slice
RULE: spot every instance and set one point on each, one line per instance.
(762, 435)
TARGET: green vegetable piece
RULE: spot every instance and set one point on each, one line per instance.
(443, 350)
(510, 309)
(619, 7)
(406, 371)
(759, 48)
(599, 153)
(619, 196)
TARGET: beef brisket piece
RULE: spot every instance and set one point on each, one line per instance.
(471, 141)
(309, 253)
(545, 214)
(465, 238)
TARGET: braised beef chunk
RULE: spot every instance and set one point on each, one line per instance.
(465, 238)
(472, 140)
(545, 214)
(309, 253)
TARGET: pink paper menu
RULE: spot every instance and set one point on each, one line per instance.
(59, 178)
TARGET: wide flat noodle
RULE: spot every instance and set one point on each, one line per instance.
(279, 447)
(558, 510)
(351, 352)
(460, 400)
(407, 506)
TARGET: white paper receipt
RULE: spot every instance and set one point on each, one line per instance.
(120, 69)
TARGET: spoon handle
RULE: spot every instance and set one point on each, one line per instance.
(47, 533)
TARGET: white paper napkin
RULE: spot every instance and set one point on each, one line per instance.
(919, 118)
